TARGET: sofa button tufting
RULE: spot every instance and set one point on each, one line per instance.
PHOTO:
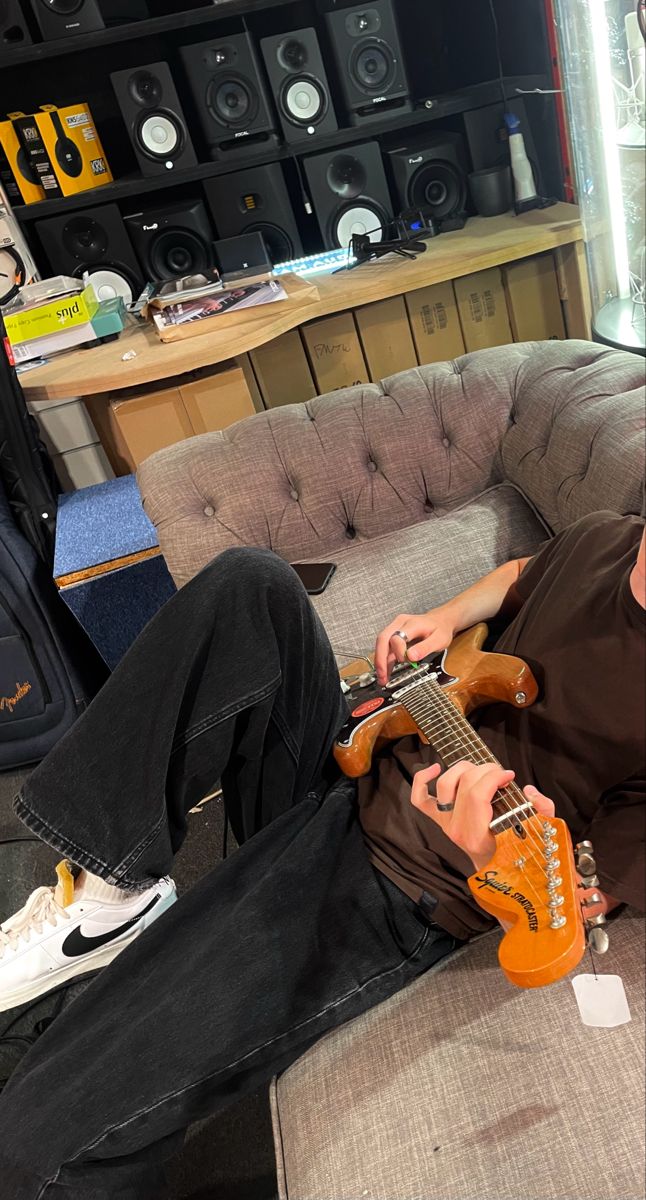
(294, 494)
(428, 507)
(351, 532)
(445, 442)
(209, 511)
(372, 466)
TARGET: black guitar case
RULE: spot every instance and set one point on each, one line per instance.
(26, 471)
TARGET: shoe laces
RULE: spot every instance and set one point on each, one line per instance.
(42, 908)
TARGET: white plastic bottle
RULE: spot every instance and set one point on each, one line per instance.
(524, 184)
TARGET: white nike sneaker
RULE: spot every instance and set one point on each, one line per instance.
(55, 936)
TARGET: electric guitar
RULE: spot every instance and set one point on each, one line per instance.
(531, 882)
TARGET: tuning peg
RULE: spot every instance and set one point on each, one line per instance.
(598, 940)
(597, 936)
(589, 881)
(595, 898)
(585, 862)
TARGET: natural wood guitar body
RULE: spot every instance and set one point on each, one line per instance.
(473, 678)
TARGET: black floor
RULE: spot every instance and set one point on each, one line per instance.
(229, 1157)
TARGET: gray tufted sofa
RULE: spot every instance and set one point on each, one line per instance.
(461, 1087)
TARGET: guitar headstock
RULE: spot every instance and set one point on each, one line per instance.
(531, 884)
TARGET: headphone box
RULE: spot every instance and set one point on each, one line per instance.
(25, 192)
(35, 153)
(74, 148)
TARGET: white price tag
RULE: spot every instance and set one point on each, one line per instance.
(602, 1000)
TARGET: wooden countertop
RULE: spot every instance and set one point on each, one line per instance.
(484, 242)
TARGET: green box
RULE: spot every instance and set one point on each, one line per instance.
(23, 325)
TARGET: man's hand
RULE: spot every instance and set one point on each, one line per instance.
(470, 790)
(426, 634)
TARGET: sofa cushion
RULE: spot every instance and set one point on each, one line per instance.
(575, 443)
(414, 569)
(457, 1088)
(360, 462)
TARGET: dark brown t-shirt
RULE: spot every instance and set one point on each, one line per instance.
(582, 743)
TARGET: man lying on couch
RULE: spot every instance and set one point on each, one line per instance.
(317, 917)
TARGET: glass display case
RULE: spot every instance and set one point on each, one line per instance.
(603, 60)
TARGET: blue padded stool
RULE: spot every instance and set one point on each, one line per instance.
(108, 565)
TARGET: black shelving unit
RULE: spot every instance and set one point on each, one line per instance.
(449, 50)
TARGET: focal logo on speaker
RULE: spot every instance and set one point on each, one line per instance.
(172, 241)
(299, 84)
(94, 241)
(368, 52)
(226, 83)
(154, 118)
(350, 194)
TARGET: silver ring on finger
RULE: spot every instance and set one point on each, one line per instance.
(445, 807)
(401, 633)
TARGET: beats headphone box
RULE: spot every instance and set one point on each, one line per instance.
(73, 146)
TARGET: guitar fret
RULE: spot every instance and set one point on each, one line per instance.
(454, 739)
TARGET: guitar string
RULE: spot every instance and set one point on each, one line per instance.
(532, 856)
(430, 692)
(433, 693)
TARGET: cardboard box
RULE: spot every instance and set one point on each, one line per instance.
(74, 147)
(12, 162)
(386, 337)
(133, 424)
(282, 371)
(39, 164)
(533, 299)
(483, 310)
(435, 323)
(335, 353)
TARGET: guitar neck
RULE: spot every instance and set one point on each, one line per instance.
(454, 739)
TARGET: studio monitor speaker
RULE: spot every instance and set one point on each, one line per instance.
(429, 173)
(154, 119)
(62, 18)
(299, 84)
(173, 240)
(13, 27)
(256, 200)
(349, 192)
(232, 106)
(95, 241)
(367, 49)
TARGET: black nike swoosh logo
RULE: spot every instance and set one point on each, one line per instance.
(77, 943)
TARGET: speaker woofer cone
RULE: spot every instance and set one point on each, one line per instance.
(303, 101)
(372, 66)
(232, 101)
(160, 135)
(178, 252)
(439, 189)
(110, 281)
(361, 219)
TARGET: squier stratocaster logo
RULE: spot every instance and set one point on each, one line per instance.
(490, 880)
(10, 702)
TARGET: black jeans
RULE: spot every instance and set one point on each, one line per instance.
(290, 936)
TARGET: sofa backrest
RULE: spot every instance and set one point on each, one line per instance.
(308, 479)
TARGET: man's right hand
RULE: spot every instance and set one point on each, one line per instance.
(427, 634)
